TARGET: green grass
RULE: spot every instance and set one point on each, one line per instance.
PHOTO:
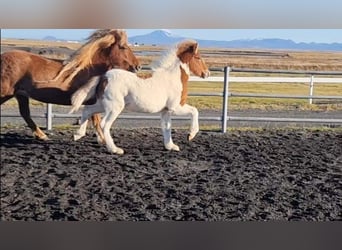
(236, 103)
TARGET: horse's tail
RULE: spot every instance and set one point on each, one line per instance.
(84, 93)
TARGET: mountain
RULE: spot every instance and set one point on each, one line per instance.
(55, 39)
(162, 37)
(158, 37)
(50, 38)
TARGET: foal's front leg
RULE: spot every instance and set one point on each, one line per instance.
(166, 129)
(189, 110)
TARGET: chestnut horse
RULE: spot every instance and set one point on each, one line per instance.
(162, 92)
(25, 75)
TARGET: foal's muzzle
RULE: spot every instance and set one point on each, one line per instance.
(205, 74)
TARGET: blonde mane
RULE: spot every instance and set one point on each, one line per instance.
(82, 58)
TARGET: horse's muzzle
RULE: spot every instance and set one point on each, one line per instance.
(136, 68)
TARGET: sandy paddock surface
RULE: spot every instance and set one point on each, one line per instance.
(243, 175)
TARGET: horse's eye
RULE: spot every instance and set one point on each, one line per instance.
(122, 47)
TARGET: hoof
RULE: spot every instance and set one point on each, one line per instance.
(41, 137)
(77, 137)
(101, 141)
(172, 147)
(190, 137)
(192, 134)
(118, 151)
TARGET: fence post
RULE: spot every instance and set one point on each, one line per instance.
(49, 116)
(225, 99)
(311, 88)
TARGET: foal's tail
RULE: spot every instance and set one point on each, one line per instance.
(84, 93)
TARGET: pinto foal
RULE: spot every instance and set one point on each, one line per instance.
(164, 92)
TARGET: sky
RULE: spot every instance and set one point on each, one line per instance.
(297, 35)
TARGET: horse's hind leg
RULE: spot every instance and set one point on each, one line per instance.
(5, 98)
(88, 111)
(24, 109)
(166, 129)
(96, 119)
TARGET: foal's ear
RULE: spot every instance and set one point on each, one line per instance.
(194, 48)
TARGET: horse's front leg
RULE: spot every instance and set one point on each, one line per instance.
(166, 129)
(189, 110)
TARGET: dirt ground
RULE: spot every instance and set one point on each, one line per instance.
(270, 174)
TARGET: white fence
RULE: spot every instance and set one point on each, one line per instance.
(225, 117)
(310, 79)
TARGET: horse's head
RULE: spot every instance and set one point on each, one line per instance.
(120, 55)
(104, 50)
(105, 47)
(188, 53)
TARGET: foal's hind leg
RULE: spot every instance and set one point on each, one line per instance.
(24, 109)
(112, 112)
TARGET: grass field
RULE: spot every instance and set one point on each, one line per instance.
(237, 103)
(242, 58)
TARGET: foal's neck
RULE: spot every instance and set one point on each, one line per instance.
(184, 80)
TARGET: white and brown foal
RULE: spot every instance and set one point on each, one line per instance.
(165, 92)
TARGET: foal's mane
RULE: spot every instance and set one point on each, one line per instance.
(82, 58)
(170, 57)
(167, 59)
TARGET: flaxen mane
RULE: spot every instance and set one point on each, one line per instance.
(82, 58)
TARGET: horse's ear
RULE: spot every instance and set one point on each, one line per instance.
(120, 37)
(107, 41)
(114, 36)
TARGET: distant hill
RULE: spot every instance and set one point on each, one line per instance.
(51, 38)
(55, 39)
(158, 37)
(161, 37)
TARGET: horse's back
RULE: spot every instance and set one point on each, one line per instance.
(14, 65)
(15, 60)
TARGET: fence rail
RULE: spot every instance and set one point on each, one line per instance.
(226, 94)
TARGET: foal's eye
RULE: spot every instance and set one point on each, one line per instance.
(122, 47)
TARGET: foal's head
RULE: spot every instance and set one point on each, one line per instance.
(188, 53)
